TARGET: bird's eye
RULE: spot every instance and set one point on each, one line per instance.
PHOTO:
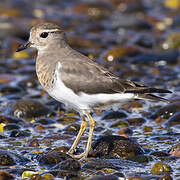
(44, 35)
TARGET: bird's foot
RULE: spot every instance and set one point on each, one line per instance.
(71, 151)
(79, 156)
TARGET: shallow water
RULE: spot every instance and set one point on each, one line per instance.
(136, 40)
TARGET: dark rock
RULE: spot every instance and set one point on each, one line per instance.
(159, 154)
(52, 158)
(36, 177)
(125, 130)
(28, 83)
(114, 115)
(28, 108)
(68, 165)
(160, 168)
(67, 174)
(167, 111)
(143, 159)
(5, 176)
(73, 128)
(107, 177)
(120, 123)
(45, 121)
(11, 126)
(173, 121)
(18, 133)
(116, 146)
(136, 121)
(166, 177)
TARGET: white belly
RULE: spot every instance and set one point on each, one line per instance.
(83, 101)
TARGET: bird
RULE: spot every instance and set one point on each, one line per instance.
(79, 82)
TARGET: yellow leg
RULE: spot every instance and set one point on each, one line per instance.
(89, 143)
(81, 131)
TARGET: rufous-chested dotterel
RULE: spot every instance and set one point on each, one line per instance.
(77, 81)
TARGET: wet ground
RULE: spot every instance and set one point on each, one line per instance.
(137, 40)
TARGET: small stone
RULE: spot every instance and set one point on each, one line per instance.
(28, 108)
(114, 115)
(18, 133)
(136, 121)
(116, 146)
(28, 83)
(52, 158)
(120, 123)
(126, 131)
(160, 168)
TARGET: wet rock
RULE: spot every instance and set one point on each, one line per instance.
(126, 131)
(18, 133)
(119, 124)
(159, 154)
(168, 57)
(28, 83)
(116, 146)
(73, 128)
(6, 90)
(167, 111)
(45, 121)
(114, 115)
(143, 159)
(160, 168)
(173, 121)
(136, 121)
(68, 165)
(11, 126)
(107, 177)
(36, 177)
(52, 158)
(67, 174)
(28, 108)
(5, 176)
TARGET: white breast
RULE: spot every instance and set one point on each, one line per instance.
(83, 101)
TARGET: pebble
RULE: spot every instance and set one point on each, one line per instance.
(161, 168)
(116, 146)
(28, 108)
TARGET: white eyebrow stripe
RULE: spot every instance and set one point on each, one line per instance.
(52, 30)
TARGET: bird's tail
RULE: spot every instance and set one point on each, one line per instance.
(152, 97)
(146, 93)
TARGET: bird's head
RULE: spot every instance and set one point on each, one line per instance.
(45, 35)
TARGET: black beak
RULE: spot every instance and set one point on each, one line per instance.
(23, 46)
